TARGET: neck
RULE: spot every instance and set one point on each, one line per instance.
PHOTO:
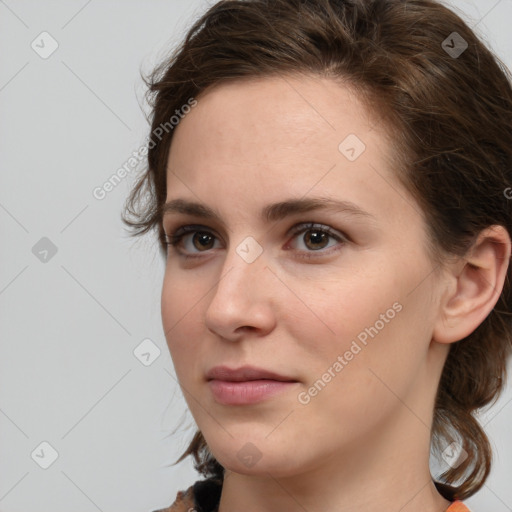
(387, 474)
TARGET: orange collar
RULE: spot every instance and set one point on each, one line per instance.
(457, 506)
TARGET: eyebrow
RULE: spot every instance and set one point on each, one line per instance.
(271, 212)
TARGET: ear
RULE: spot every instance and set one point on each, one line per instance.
(474, 285)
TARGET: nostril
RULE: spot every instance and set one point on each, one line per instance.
(246, 328)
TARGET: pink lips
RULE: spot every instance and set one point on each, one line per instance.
(245, 385)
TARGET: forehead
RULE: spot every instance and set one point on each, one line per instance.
(250, 140)
(266, 116)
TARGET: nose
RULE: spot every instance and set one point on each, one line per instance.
(243, 299)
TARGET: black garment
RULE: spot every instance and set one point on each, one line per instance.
(207, 495)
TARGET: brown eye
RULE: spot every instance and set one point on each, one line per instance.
(202, 240)
(316, 239)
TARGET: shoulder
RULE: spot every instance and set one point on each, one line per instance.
(202, 496)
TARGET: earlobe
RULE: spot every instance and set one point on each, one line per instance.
(474, 286)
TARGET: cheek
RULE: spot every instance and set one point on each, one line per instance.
(344, 310)
(371, 318)
(181, 295)
(181, 322)
(354, 378)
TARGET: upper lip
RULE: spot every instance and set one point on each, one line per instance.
(244, 373)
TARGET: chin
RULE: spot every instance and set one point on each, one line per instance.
(250, 458)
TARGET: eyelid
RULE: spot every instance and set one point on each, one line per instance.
(305, 226)
(183, 228)
(179, 233)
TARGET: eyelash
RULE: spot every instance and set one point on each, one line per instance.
(177, 236)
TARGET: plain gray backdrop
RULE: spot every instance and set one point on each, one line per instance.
(88, 394)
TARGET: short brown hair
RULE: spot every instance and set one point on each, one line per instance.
(451, 119)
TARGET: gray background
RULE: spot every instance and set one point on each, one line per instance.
(70, 321)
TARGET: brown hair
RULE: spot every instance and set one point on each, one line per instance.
(451, 119)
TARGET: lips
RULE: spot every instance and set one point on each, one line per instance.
(247, 385)
(245, 373)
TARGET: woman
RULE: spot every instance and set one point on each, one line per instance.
(334, 215)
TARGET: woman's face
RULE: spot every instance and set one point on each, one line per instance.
(345, 309)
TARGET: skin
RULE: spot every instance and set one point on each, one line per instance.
(363, 441)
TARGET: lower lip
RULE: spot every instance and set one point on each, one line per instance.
(247, 392)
